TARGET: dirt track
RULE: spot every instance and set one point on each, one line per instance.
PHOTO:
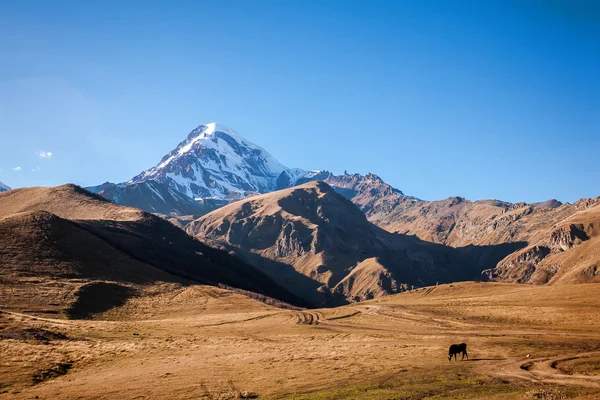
(309, 317)
(543, 370)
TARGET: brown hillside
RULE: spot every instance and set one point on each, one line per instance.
(552, 233)
(67, 201)
(320, 246)
(58, 244)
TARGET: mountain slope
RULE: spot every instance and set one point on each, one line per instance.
(154, 197)
(319, 245)
(3, 187)
(551, 231)
(566, 252)
(460, 222)
(74, 238)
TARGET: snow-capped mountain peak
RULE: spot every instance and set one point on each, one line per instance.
(214, 161)
(206, 132)
(3, 187)
(215, 165)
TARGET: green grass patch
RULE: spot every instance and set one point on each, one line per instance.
(445, 385)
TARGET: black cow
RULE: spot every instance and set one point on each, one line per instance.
(456, 349)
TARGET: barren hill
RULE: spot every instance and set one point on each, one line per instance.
(62, 246)
(319, 245)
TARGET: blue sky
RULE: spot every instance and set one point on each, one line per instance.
(483, 99)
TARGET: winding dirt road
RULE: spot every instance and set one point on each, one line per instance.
(544, 370)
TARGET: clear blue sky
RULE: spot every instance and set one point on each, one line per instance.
(483, 99)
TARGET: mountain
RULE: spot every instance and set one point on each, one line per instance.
(457, 221)
(215, 162)
(3, 187)
(61, 247)
(296, 176)
(214, 165)
(319, 245)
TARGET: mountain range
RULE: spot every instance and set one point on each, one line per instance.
(215, 165)
(308, 238)
(319, 245)
(215, 170)
(3, 187)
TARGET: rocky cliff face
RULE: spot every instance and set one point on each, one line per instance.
(369, 192)
(549, 231)
(568, 251)
(567, 237)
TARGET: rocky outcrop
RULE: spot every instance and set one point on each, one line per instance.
(553, 254)
(567, 237)
(520, 267)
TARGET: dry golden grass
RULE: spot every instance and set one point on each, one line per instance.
(199, 342)
(67, 201)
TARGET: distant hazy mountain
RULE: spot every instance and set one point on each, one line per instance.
(3, 187)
